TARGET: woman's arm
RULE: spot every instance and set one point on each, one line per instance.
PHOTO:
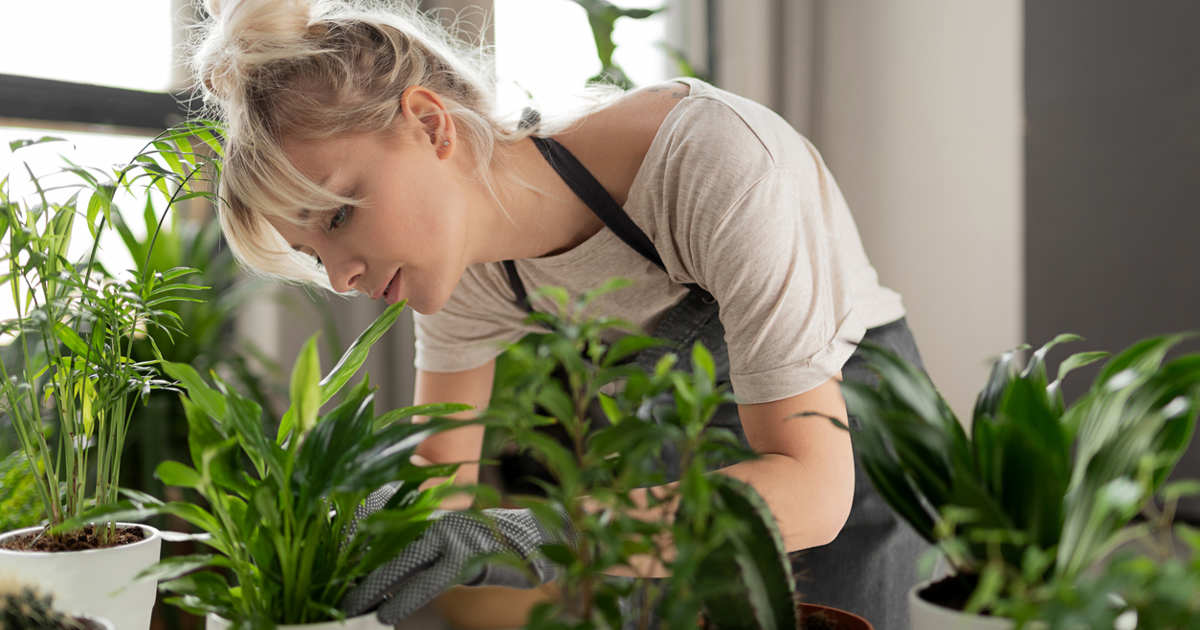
(805, 472)
(472, 387)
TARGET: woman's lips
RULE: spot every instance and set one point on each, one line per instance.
(392, 293)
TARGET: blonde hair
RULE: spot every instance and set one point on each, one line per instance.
(311, 69)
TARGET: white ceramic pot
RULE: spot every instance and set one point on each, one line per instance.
(923, 615)
(90, 582)
(362, 622)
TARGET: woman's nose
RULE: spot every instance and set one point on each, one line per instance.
(344, 274)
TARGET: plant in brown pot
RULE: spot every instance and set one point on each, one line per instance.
(619, 421)
(1037, 491)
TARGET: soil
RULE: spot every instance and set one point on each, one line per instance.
(88, 624)
(951, 592)
(81, 540)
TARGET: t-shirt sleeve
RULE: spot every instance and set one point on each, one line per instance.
(767, 259)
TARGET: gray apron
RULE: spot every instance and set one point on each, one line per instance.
(870, 566)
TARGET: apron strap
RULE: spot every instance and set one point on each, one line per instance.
(597, 199)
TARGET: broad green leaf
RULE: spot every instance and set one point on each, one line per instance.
(305, 390)
(354, 357)
(177, 474)
(209, 400)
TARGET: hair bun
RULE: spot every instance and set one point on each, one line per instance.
(241, 35)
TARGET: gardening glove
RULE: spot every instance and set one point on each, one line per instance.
(437, 560)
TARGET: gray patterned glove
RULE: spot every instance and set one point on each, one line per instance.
(437, 560)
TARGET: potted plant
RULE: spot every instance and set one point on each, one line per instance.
(68, 385)
(1037, 492)
(1150, 582)
(281, 522)
(728, 564)
(22, 607)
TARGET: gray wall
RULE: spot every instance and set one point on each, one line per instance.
(1112, 158)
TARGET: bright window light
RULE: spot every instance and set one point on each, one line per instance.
(46, 162)
(545, 51)
(117, 43)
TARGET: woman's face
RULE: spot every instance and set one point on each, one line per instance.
(408, 240)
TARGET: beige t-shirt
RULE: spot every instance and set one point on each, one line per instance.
(734, 200)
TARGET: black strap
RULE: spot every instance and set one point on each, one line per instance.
(585, 186)
(588, 189)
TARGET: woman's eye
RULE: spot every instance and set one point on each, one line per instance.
(339, 217)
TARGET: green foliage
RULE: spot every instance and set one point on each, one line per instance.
(1038, 492)
(721, 527)
(1153, 579)
(69, 370)
(23, 608)
(19, 502)
(602, 17)
(280, 511)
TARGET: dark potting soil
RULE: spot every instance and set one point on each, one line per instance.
(951, 591)
(88, 624)
(81, 540)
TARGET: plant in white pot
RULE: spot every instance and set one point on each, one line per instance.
(68, 383)
(1037, 491)
(281, 517)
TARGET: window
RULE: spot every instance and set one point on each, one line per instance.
(545, 48)
(45, 161)
(123, 44)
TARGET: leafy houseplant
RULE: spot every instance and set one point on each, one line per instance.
(729, 561)
(69, 381)
(1152, 581)
(280, 508)
(1038, 492)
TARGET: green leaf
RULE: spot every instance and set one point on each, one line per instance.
(70, 339)
(629, 345)
(305, 390)
(348, 365)
(702, 360)
(177, 474)
(15, 145)
(432, 409)
(209, 400)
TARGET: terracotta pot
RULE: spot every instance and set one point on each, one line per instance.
(361, 622)
(97, 582)
(816, 616)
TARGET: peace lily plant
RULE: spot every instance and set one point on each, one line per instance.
(1037, 491)
(281, 511)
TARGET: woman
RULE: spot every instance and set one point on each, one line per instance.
(363, 154)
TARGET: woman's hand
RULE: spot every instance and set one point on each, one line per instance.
(438, 559)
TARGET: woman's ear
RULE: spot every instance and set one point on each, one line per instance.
(423, 108)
